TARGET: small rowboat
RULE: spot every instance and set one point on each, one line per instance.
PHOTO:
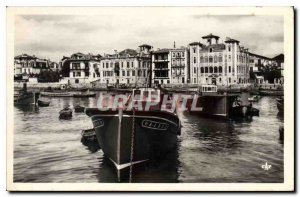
(65, 113)
(43, 103)
(79, 109)
(89, 135)
(83, 95)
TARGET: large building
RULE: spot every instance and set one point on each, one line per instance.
(83, 68)
(30, 65)
(218, 63)
(170, 66)
(130, 67)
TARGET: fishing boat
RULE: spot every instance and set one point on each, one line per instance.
(211, 103)
(280, 104)
(254, 98)
(131, 136)
(65, 113)
(79, 109)
(24, 97)
(42, 103)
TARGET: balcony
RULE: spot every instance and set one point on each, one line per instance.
(161, 60)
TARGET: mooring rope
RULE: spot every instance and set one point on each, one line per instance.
(132, 144)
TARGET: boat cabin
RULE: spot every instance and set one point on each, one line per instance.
(208, 90)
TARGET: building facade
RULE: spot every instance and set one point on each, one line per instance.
(128, 67)
(84, 68)
(170, 66)
(29, 65)
(218, 63)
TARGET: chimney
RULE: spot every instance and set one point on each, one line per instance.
(174, 45)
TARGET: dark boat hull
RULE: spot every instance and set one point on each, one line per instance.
(280, 105)
(26, 98)
(154, 134)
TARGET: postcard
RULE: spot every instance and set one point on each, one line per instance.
(150, 99)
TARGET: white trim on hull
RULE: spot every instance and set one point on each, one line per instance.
(125, 165)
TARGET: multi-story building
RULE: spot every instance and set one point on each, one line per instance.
(170, 66)
(218, 63)
(31, 65)
(84, 68)
(130, 67)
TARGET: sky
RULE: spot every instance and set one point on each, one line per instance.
(55, 36)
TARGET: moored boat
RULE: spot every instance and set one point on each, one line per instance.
(57, 94)
(211, 103)
(84, 94)
(134, 135)
(280, 104)
(42, 103)
(65, 113)
(79, 109)
(24, 97)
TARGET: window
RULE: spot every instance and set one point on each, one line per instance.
(132, 64)
(201, 59)
(229, 48)
(210, 59)
(229, 58)
(215, 69)
(215, 59)
(211, 50)
(229, 69)
(168, 81)
(78, 74)
(182, 54)
(127, 64)
(220, 59)
(73, 73)
(106, 64)
(173, 54)
(194, 50)
(229, 80)
(128, 73)
(206, 59)
(206, 69)
(123, 73)
(211, 69)
(220, 69)
(195, 70)
(195, 60)
(76, 80)
(133, 73)
(202, 70)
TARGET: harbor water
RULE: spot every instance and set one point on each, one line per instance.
(49, 150)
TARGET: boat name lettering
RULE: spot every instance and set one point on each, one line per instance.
(98, 123)
(150, 124)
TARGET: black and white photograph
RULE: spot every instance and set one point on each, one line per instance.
(150, 98)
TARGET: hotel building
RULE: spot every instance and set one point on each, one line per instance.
(218, 63)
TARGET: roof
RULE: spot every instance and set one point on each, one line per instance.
(229, 40)
(161, 51)
(279, 57)
(210, 36)
(128, 52)
(259, 56)
(22, 56)
(195, 43)
(146, 45)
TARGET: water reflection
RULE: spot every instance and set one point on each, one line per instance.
(163, 170)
